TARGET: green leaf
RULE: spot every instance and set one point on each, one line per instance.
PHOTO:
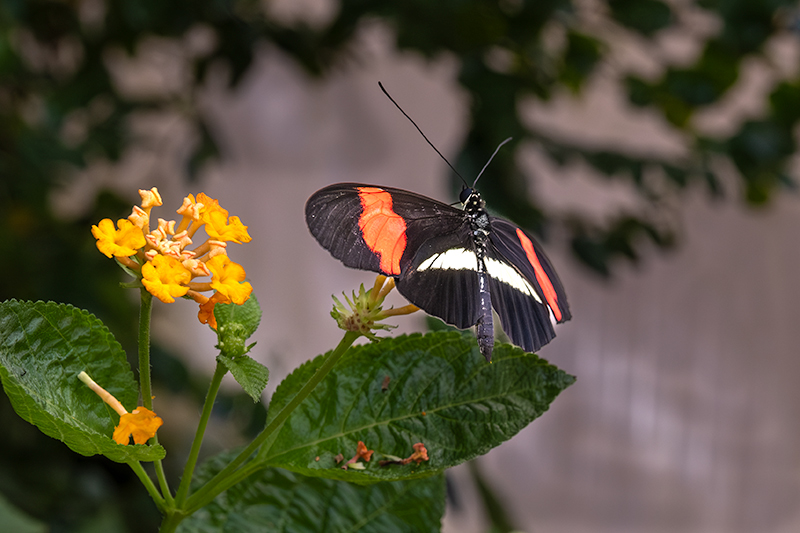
(43, 348)
(235, 324)
(435, 389)
(276, 500)
(12, 519)
(249, 373)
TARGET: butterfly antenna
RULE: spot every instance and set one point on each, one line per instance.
(423, 135)
(489, 161)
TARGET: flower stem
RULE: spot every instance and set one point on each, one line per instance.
(145, 311)
(137, 468)
(104, 394)
(229, 475)
(162, 477)
(191, 462)
(144, 348)
(171, 520)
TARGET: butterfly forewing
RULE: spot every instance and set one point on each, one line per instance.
(376, 228)
(332, 215)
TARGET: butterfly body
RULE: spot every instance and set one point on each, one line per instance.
(456, 264)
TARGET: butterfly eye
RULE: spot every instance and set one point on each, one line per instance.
(466, 192)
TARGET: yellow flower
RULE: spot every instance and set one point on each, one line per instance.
(222, 228)
(165, 278)
(122, 242)
(190, 211)
(206, 313)
(218, 225)
(209, 205)
(141, 424)
(226, 278)
(150, 199)
(139, 218)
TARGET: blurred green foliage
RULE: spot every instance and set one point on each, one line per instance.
(56, 79)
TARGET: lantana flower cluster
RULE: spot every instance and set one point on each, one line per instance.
(162, 259)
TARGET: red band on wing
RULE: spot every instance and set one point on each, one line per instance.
(544, 281)
(383, 230)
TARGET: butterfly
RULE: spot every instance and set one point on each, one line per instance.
(453, 263)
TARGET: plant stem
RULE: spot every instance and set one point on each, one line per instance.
(171, 521)
(144, 348)
(145, 312)
(191, 462)
(138, 469)
(232, 479)
(162, 478)
(222, 481)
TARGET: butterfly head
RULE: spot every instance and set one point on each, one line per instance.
(466, 192)
(471, 200)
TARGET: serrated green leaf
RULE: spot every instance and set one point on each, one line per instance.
(236, 324)
(278, 501)
(249, 373)
(436, 389)
(43, 348)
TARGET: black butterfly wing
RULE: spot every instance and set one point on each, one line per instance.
(394, 232)
(442, 277)
(525, 289)
(332, 216)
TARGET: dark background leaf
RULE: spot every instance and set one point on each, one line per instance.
(12, 519)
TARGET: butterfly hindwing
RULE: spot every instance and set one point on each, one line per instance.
(443, 271)
(524, 318)
(527, 292)
(526, 254)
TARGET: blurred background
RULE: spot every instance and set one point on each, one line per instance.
(654, 153)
